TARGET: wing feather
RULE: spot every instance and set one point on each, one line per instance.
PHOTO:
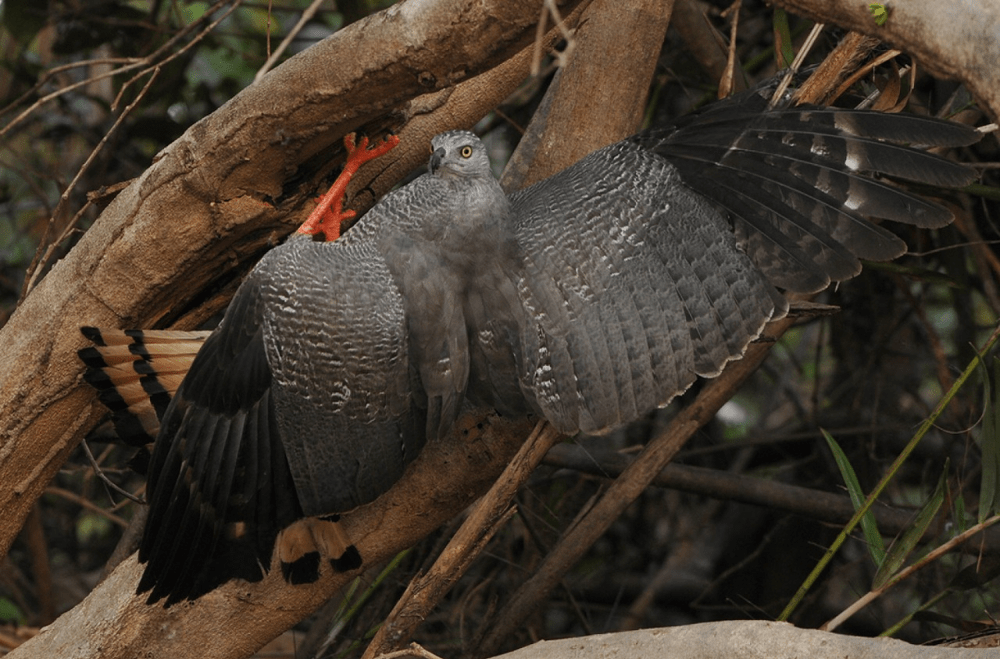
(290, 409)
(633, 287)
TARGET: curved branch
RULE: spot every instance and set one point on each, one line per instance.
(951, 39)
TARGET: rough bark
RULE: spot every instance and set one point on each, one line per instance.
(121, 275)
(598, 98)
(236, 620)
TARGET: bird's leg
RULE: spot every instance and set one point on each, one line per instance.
(329, 214)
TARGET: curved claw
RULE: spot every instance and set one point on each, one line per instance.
(328, 215)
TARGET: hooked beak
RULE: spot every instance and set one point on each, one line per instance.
(435, 161)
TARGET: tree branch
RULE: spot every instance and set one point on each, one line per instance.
(220, 196)
(594, 520)
(237, 619)
(953, 40)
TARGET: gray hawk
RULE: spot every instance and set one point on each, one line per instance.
(588, 299)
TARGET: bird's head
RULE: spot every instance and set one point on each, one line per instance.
(458, 153)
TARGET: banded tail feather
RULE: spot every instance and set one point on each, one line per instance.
(136, 374)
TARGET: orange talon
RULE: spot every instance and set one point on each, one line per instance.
(328, 215)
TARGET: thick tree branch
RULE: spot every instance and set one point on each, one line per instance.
(598, 98)
(215, 200)
(94, 618)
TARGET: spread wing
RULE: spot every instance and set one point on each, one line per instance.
(279, 408)
(632, 287)
(635, 283)
(219, 487)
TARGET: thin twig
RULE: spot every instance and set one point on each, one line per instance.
(104, 477)
(272, 58)
(826, 507)
(148, 61)
(906, 572)
(800, 57)
(130, 62)
(890, 473)
(865, 70)
(591, 524)
(39, 260)
(550, 9)
(86, 503)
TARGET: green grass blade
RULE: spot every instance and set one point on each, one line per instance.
(868, 524)
(902, 548)
(989, 443)
(784, 53)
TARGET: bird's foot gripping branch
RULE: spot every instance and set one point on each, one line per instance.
(326, 218)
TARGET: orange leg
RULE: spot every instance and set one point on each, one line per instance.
(328, 214)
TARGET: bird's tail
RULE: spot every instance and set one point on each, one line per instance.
(136, 373)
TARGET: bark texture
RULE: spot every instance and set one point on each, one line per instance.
(743, 639)
(236, 620)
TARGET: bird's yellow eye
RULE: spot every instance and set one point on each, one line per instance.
(466, 151)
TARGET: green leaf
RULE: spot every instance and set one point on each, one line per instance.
(10, 613)
(905, 544)
(897, 464)
(958, 513)
(989, 444)
(868, 525)
(879, 12)
(783, 51)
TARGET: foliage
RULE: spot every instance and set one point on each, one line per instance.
(880, 13)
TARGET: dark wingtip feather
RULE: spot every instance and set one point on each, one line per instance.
(804, 178)
(900, 128)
